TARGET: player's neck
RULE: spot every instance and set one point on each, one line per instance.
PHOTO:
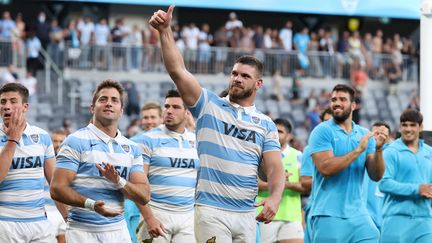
(109, 129)
(346, 125)
(412, 145)
(246, 102)
(178, 129)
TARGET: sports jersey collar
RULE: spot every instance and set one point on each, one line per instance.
(353, 124)
(172, 133)
(248, 109)
(103, 136)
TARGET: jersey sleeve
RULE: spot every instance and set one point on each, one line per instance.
(320, 139)
(69, 155)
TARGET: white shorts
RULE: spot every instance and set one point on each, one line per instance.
(17, 232)
(281, 230)
(58, 225)
(179, 227)
(218, 225)
(79, 236)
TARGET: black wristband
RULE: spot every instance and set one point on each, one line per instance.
(15, 141)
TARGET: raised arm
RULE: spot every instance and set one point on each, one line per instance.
(375, 163)
(186, 83)
(13, 132)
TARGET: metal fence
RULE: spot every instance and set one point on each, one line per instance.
(213, 60)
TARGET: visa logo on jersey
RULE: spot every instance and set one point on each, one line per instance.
(26, 162)
(182, 163)
(243, 134)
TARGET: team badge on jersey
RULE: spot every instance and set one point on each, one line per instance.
(35, 138)
(126, 148)
(192, 143)
(256, 119)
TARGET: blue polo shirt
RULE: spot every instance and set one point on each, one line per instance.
(373, 197)
(307, 169)
(405, 171)
(339, 195)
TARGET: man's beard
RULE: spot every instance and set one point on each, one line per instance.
(343, 117)
(245, 93)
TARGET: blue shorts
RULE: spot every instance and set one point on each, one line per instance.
(402, 229)
(307, 219)
(327, 229)
(132, 216)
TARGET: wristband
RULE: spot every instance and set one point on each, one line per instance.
(90, 204)
(121, 183)
(12, 140)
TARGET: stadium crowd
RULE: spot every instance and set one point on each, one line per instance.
(192, 168)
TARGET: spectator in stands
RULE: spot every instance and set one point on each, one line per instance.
(23, 217)
(42, 28)
(286, 36)
(355, 48)
(342, 56)
(358, 75)
(56, 45)
(233, 23)
(326, 44)
(246, 79)
(101, 37)
(205, 39)
(313, 118)
(10, 75)
(407, 184)
(57, 223)
(116, 166)
(220, 42)
(306, 173)
(367, 51)
(286, 226)
(374, 198)
(414, 101)
(7, 25)
(341, 166)
(377, 51)
(170, 141)
(18, 37)
(30, 83)
(118, 34)
(151, 115)
(136, 41)
(190, 33)
(393, 74)
(313, 48)
(86, 29)
(33, 47)
(301, 44)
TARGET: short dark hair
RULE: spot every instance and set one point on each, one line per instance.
(327, 110)
(252, 61)
(285, 123)
(382, 123)
(345, 88)
(16, 87)
(411, 115)
(173, 93)
(109, 83)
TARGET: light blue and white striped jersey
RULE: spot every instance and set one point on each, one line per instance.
(80, 152)
(173, 163)
(231, 141)
(22, 190)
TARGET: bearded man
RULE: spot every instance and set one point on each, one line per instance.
(342, 151)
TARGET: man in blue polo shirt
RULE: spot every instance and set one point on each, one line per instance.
(407, 185)
(342, 151)
(306, 173)
(373, 197)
